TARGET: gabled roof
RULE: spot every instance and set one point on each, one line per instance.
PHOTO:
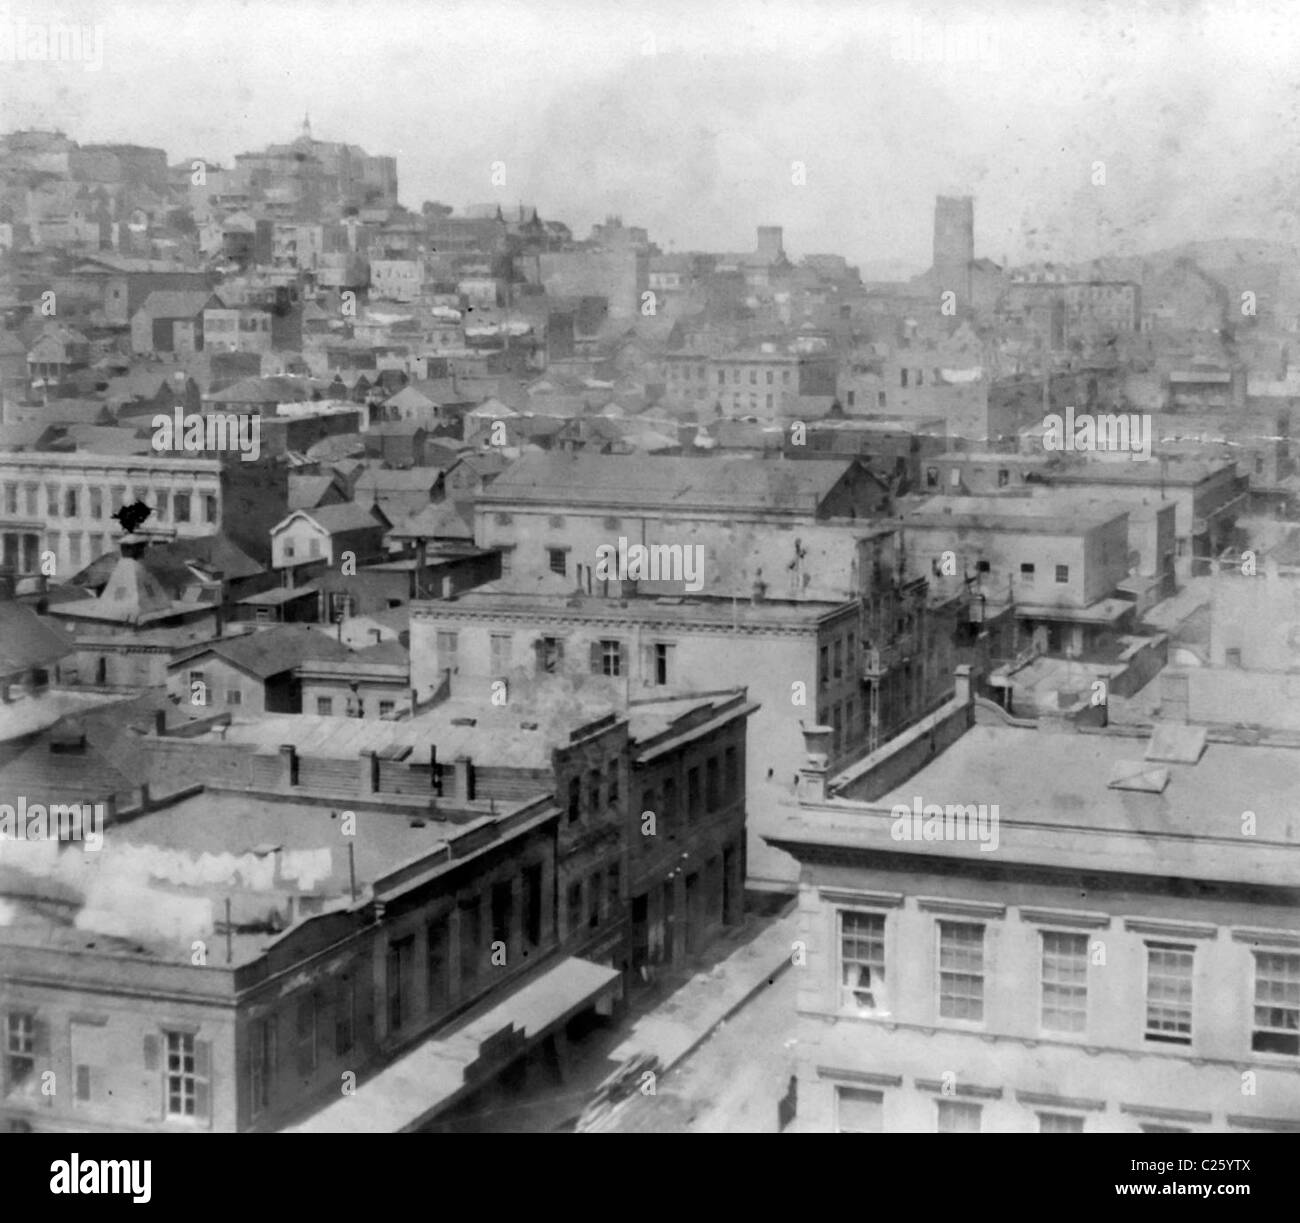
(335, 519)
(269, 651)
(409, 399)
(177, 303)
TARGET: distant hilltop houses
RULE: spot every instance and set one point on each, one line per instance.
(467, 627)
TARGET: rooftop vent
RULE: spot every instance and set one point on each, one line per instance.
(464, 721)
(1138, 777)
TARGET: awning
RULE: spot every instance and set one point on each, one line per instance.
(425, 1080)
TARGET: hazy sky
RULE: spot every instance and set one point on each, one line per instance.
(687, 118)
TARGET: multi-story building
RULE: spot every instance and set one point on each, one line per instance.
(999, 949)
(1060, 571)
(778, 529)
(865, 667)
(63, 503)
(766, 383)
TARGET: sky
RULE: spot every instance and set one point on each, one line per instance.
(1080, 128)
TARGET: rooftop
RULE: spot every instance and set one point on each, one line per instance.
(667, 484)
(1055, 805)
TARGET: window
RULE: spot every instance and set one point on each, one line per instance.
(186, 1075)
(982, 566)
(711, 777)
(693, 793)
(386, 708)
(209, 507)
(961, 971)
(345, 1015)
(1169, 993)
(593, 790)
(575, 798)
(504, 520)
(261, 1063)
(325, 706)
(837, 659)
(448, 647)
(161, 511)
(1065, 982)
(550, 654)
(611, 799)
(1062, 573)
(33, 492)
(823, 665)
(307, 1033)
(183, 511)
(20, 1048)
(399, 981)
(1059, 1123)
(234, 696)
(1232, 657)
(609, 656)
(556, 522)
(1277, 1003)
(932, 477)
(595, 890)
(958, 1117)
(663, 653)
(1027, 574)
(70, 503)
(557, 560)
(882, 400)
(858, 1111)
(51, 501)
(499, 647)
(575, 905)
(731, 773)
(288, 543)
(862, 960)
(11, 500)
(613, 888)
(669, 808)
(902, 377)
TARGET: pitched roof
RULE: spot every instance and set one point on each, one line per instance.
(270, 651)
(306, 492)
(176, 303)
(643, 480)
(441, 521)
(28, 641)
(348, 516)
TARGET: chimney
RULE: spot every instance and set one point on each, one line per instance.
(378, 635)
(962, 684)
(369, 771)
(464, 773)
(290, 756)
(160, 722)
(812, 776)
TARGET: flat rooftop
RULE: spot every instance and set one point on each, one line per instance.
(1055, 806)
